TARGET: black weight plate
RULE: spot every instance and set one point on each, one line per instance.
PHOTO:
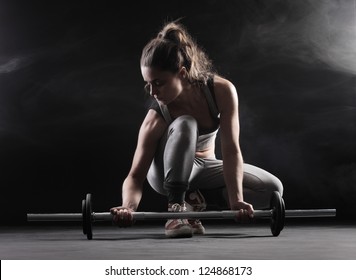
(277, 219)
(84, 217)
(283, 214)
(88, 218)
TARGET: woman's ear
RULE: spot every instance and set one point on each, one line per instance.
(183, 73)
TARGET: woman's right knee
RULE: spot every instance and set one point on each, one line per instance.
(185, 124)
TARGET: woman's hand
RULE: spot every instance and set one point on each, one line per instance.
(245, 211)
(122, 216)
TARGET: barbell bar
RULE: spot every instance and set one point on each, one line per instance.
(276, 214)
(230, 214)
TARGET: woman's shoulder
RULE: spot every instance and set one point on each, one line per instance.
(223, 86)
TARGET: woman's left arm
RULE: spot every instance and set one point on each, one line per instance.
(227, 101)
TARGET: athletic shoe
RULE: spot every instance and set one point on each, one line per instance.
(195, 201)
(178, 228)
(197, 226)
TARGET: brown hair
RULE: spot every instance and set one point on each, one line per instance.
(174, 48)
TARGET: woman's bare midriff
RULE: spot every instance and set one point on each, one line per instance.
(206, 153)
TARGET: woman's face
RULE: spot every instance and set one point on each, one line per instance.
(164, 86)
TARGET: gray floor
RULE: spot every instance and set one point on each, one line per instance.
(311, 240)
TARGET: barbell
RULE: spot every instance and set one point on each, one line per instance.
(277, 214)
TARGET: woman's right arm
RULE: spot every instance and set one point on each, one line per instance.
(149, 135)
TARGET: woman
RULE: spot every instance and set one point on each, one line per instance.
(176, 142)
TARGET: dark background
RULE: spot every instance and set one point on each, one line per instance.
(72, 101)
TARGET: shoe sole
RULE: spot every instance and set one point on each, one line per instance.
(199, 231)
(183, 232)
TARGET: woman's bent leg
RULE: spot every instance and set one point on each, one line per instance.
(171, 168)
(258, 184)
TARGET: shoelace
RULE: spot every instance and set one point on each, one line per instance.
(176, 207)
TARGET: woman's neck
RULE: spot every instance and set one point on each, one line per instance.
(186, 97)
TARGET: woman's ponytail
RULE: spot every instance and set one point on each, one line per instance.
(174, 48)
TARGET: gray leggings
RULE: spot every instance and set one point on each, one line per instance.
(175, 169)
